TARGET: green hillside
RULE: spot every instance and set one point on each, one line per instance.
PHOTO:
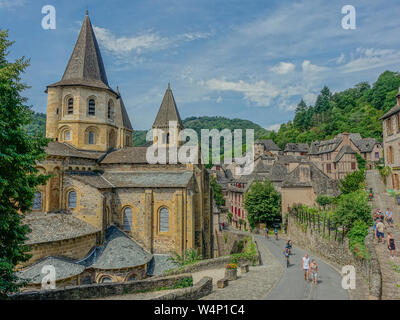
(357, 109)
(38, 126)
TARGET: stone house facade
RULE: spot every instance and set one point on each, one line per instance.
(391, 143)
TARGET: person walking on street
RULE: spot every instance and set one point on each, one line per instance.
(390, 218)
(314, 272)
(305, 265)
(266, 232)
(380, 231)
(391, 245)
(276, 233)
(287, 256)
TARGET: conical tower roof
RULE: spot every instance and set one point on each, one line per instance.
(125, 118)
(85, 66)
(168, 111)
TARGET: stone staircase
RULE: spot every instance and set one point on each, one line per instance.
(390, 268)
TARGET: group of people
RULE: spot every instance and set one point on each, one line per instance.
(379, 227)
(275, 232)
(310, 269)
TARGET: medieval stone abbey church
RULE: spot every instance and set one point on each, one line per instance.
(100, 182)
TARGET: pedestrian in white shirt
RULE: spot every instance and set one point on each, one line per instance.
(305, 265)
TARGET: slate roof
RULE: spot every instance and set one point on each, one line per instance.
(366, 144)
(55, 148)
(269, 145)
(119, 252)
(55, 227)
(85, 66)
(345, 150)
(65, 268)
(149, 179)
(125, 118)
(161, 263)
(297, 147)
(168, 111)
(126, 155)
(322, 184)
(91, 178)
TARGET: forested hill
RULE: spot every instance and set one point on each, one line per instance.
(355, 110)
(38, 126)
(220, 123)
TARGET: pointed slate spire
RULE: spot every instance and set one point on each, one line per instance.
(125, 118)
(85, 66)
(168, 111)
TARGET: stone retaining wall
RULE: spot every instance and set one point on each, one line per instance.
(102, 289)
(339, 253)
(200, 289)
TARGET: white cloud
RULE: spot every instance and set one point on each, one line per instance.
(11, 3)
(274, 127)
(371, 58)
(283, 68)
(341, 59)
(308, 67)
(259, 92)
(150, 40)
(219, 99)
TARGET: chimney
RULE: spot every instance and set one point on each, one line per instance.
(305, 173)
(346, 138)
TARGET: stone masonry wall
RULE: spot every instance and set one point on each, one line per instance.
(74, 248)
(100, 290)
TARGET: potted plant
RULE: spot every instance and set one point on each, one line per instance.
(231, 271)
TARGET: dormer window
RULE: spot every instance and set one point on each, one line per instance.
(92, 107)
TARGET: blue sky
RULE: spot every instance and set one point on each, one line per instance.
(240, 59)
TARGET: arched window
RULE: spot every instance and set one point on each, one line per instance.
(105, 280)
(92, 137)
(110, 110)
(132, 277)
(37, 201)
(164, 220)
(72, 199)
(67, 135)
(70, 106)
(92, 107)
(127, 219)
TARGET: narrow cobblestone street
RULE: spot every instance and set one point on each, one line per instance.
(382, 200)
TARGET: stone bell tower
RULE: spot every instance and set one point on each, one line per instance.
(82, 109)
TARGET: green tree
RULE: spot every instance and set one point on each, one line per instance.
(352, 207)
(361, 162)
(352, 182)
(217, 191)
(263, 203)
(18, 175)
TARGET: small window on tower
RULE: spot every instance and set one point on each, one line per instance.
(67, 135)
(92, 107)
(110, 110)
(70, 106)
(91, 137)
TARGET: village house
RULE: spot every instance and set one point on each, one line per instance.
(337, 157)
(266, 147)
(104, 186)
(304, 184)
(296, 149)
(391, 143)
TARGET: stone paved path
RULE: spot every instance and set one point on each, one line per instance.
(382, 200)
(254, 285)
